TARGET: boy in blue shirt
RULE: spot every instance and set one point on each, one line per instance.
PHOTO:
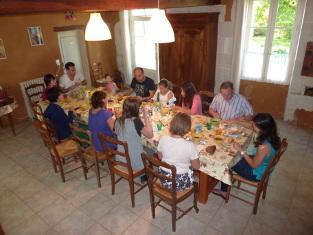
(56, 115)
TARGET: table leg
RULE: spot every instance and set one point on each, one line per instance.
(206, 185)
(11, 123)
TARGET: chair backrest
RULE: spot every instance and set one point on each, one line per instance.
(274, 161)
(34, 91)
(37, 111)
(206, 100)
(47, 138)
(152, 165)
(112, 153)
(83, 138)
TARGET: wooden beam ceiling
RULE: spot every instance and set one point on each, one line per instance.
(37, 6)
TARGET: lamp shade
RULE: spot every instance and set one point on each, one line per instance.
(160, 28)
(97, 29)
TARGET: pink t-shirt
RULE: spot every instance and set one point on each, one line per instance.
(196, 107)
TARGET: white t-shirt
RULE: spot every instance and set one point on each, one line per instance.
(66, 82)
(178, 152)
(164, 98)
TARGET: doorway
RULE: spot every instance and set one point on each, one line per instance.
(73, 48)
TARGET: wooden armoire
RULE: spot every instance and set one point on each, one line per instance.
(193, 54)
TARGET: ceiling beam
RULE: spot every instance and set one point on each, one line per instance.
(38, 6)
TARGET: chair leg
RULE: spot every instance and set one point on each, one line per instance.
(61, 170)
(256, 201)
(238, 184)
(195, 201)
(152, 204)
(97, 172)
(54, 164)
(264, 190)
(228, 193)
(174, 218)
(132, 192)
(113, 183)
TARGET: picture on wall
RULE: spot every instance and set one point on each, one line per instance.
(2, 50)
(35, 36)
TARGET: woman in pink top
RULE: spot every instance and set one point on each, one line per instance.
(191, 103)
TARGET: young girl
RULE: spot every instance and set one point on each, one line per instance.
(129, 128)
(177, 151)
(100, 119)
(164, 95)
(50, 81)
(110, 86)
(265, 148)
(191, 100)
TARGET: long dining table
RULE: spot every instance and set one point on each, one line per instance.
(214, 167)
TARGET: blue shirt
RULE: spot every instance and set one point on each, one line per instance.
(60, 121)
(98, 123)
(259, 171)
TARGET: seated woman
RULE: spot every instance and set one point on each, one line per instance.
(164, 95)
(265, 148)
(191, 103)
(50, 81)
(56, 115)
(100, 119)
(177, 151)
(129, 128)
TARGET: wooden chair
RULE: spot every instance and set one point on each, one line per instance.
(87, 151)
(61, 153)
(34, 92)
(261, 186)
(206, 99)
(121, 168)
(169, 196)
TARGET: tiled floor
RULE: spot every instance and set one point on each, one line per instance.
(33, 200)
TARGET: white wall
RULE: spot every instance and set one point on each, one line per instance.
(295, 98)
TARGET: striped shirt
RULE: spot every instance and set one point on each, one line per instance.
(237, 107)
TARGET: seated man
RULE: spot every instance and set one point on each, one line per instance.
(56, 115)
(70, 79)
(229, 105)
(143, 86)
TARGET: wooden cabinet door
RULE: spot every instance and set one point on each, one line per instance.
(193, 54)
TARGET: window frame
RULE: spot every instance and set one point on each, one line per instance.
(268, 44)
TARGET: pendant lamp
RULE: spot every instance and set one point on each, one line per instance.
(161, 30)
(97, 29)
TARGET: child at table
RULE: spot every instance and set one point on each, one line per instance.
(266, 146)
(56, 115)
(110, 86)
(177, 151)
(191, 103)
(100, 120)
(50, 81)
(164, 95)
(129, 128)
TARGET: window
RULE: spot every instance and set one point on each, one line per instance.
(144, 52)
(268, 39)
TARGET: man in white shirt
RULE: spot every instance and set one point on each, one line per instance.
(229, 105)
(70, 79)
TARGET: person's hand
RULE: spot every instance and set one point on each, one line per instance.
(237, 147)
(176, 108)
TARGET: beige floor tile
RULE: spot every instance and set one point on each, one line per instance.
(185, 226)
(56, 211)
(77, 223)
(97, 229)
(33, 225)
(211, 231)
(255, 228)
(42, 199)
(229, 223)
(142, 227)
(98, 206)
(118, 219)
(26, 191)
